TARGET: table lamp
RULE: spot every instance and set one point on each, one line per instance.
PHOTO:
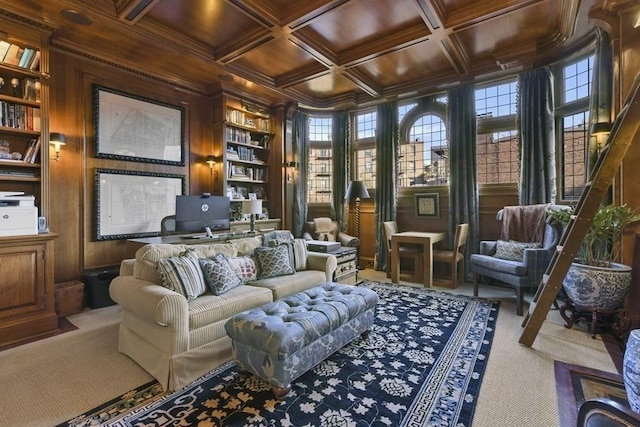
(252, 207)
(357, 190)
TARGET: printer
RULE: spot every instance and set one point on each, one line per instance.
(18, 215)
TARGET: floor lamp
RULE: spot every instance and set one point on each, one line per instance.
(357, 190)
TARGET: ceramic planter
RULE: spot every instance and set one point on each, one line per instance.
(597, 288)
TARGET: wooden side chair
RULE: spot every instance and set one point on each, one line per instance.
(455, 256)
(404, 252)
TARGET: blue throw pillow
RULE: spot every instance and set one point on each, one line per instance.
(218, 274)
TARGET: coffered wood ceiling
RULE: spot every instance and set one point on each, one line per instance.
(320, 53)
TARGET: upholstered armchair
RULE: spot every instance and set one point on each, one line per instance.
(519, 264)
(327, 229)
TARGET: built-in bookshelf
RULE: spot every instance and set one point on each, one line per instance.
(247, 136)
(21, 114)
(28, 306)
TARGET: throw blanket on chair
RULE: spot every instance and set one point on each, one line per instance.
(324, 229)
(524, 223)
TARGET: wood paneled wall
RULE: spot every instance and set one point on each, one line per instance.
(72, 177)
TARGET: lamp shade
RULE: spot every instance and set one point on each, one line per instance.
(56, 138)
(601, 128)
(357, 190)
(251, 207)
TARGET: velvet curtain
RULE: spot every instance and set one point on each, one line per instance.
(300, 150)
(386, 165)
(340, 150)
(537, 138)
(601, 91)
(463, 183)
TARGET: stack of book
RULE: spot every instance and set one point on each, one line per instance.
(24, 57)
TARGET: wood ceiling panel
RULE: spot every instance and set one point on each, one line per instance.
(327, 53)
(415, 63)
(321, 87)
(276, 57)
(359, 20)
(508, 34)
(212, 22)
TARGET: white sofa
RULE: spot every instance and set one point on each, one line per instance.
(178, 341)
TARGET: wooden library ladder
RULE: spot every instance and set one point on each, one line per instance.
(624, 131)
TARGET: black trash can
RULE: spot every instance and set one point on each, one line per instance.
(96, 285)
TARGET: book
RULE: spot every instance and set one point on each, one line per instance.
(26, 57)
(10, 56)
(30, 146)
(4, 47)
(29, 89)
(35, 62)
(34, 154)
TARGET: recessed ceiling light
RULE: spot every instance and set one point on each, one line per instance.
(75, 17)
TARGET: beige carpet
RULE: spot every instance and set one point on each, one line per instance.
(52, 380)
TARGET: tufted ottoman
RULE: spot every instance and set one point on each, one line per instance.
(280, 341)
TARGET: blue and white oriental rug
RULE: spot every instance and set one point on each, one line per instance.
(421, 365)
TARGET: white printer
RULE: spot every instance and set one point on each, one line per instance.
(18, 215)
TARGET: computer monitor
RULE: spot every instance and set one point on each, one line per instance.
(194, 213)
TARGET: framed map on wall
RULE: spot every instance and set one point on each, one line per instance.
(132, 204)
(129, 127)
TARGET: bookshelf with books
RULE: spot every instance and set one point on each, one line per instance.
(28, 308)
(246, 134)
(22, 107)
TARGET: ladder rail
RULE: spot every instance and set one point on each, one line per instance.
(624, 130)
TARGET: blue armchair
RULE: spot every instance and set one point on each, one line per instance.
(524, 273)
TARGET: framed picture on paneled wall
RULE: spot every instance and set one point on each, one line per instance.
(427, 205)
(129, 127)
(132, 204)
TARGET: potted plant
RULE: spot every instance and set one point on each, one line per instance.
(594, 280)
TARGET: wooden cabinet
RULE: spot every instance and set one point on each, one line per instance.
(26, 286)
(24, 112)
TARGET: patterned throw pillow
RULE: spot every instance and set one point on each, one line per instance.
(512, 250)
(182, 274)
(297, 251)
(245, 267)
(274, 262)
(218, 274)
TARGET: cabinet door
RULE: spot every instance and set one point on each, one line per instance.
(22, 280)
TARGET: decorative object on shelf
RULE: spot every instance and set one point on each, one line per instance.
(357, 190)
(428, 205)
(252, 208)
(132, 204)
(57, 140)
(15, 85)
(631, 370)
(130, 127)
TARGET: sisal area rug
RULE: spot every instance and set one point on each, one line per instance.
(421, 365)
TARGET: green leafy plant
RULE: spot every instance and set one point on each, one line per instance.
(600, 246)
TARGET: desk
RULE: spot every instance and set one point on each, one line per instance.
(416, 237)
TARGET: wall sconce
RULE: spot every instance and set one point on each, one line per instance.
(57, 140)
(290, 169)
(601, 128)
(212, 160)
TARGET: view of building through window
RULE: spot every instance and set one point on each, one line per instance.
(424, 157)
(320, 165)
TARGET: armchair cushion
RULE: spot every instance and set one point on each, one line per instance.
(512, 250)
